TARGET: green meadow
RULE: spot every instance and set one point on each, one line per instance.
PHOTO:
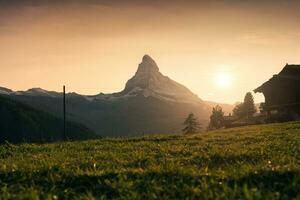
(254, 162)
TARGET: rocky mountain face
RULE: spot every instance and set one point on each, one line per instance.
(150, 82)
(150, 103)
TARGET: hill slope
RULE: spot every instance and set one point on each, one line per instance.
(19, 123)
(255, 162)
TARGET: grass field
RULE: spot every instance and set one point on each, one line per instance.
(255, 162)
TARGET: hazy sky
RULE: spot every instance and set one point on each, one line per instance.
(96, 46)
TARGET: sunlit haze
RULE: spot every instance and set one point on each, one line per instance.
(224, 80)
(220, 50)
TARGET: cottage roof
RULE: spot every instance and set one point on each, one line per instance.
(290, 72)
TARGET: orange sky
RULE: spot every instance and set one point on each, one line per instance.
(96, 46)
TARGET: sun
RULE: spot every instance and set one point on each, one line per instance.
(223, 80)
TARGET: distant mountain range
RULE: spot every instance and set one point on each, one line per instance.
(150, 103)
(21, 123)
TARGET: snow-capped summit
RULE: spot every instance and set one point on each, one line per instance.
(5, 91)
(30, 92)
(150, 82)
(38, 92)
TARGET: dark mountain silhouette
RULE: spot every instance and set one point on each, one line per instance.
(21, 123)
(150, 103)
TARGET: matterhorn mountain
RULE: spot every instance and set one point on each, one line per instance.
(149, 82)
(150, 103)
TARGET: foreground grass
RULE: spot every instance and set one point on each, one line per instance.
(256, 162)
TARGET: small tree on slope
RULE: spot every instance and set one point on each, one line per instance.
(246, 109)
(191, 124)
(216, 118)
(249, 105)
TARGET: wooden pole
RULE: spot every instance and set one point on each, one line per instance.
(64, 107)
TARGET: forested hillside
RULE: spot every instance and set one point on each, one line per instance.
(21, 123)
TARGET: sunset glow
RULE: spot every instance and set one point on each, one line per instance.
(149, 99)
(224, 80)
(94, 46)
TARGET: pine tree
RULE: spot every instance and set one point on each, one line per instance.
(238, 111)
(216, 118)
(248, 105)
(246, 109)
(191, 124)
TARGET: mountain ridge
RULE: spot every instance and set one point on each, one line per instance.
(147, 81)
(150, 103)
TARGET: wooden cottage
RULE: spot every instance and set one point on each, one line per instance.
(282, 92)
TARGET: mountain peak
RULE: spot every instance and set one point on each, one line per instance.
(147, 65)
(147, 58)
(146, 73)
(148, 81)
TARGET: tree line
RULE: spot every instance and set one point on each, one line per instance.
(242, 111)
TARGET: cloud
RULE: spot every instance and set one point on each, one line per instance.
(259, 3)
(286, 37)
(37, 3)
(73, 18)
